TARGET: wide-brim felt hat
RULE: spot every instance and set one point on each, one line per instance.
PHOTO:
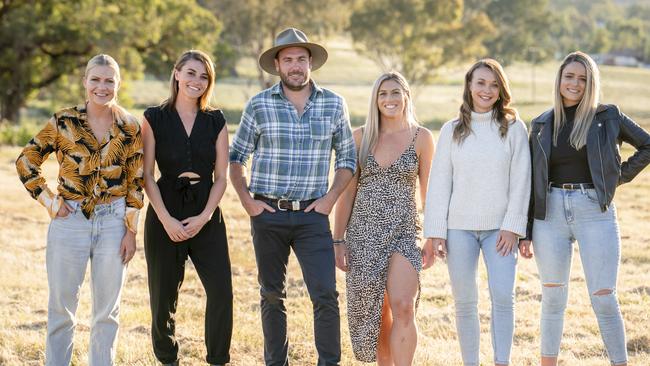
(292, 37)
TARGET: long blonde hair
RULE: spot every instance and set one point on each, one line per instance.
(501, 110)
(119, 113)
(204, 100)
(587, 106)
(371, 128)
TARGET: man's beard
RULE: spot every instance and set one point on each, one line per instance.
(286, 81)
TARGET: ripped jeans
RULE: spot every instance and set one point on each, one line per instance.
(575, 215)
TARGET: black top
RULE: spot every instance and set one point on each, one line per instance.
(175, 151)
(568, 165)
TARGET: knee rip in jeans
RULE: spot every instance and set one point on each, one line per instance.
(604, 302)
(603, 292)
(551, 284)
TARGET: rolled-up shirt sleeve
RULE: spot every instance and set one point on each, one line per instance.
(343, 142)
(28, 166)
(245, 140)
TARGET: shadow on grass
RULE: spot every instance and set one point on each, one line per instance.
(33, 325)
(639, 345)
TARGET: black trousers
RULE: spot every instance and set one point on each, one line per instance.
(309, 235)
(166, 269)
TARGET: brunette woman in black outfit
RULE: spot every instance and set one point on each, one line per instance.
(188, 140)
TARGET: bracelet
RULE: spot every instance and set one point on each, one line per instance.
(338, 241)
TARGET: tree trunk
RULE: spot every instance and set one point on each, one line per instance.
(260, 78)
(10, 105)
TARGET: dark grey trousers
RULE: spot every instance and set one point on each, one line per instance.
(309, 235)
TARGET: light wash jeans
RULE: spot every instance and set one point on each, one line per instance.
(575, 215)
(463, 248)
(71, 242)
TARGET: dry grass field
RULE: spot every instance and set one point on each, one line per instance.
(23, 304)
(24, 224)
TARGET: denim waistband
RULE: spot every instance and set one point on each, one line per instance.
(119, 205)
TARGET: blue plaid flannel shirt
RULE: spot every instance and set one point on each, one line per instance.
(291, 154)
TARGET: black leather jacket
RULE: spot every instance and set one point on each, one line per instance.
(609, 128)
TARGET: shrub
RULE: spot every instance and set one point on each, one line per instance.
(17, 134)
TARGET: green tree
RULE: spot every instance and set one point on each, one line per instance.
(173, 27)
(629, 36)
(582, 25)
(575, 31)
(599, 10)
(522, 30)
(642, 13)
(416, 37)
(250, 26)
(45, 41)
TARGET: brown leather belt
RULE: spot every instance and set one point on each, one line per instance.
(283, 204)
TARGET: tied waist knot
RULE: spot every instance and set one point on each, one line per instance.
(184, 186)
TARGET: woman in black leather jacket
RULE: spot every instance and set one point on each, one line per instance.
(576, 169)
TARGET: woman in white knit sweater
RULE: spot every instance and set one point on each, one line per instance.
(477, 200)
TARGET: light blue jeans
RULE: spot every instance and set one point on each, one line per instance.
(464, 247)
(71, 242)
(575, 215)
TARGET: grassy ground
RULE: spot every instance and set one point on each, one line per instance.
(23, 223)
(24, 302)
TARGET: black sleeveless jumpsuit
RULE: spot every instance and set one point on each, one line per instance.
(177, 153)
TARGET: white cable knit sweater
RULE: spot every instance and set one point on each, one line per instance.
(481, 184)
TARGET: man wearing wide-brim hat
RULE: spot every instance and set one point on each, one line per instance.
(291, 129)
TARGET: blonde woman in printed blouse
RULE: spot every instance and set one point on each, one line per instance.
(94, 213)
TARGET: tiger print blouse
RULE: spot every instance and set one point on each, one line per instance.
(90, 171)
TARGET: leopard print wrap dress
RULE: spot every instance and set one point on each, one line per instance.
(384, 221)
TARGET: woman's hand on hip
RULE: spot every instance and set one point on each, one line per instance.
(506, 242)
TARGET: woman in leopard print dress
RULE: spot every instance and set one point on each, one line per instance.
(379, 217)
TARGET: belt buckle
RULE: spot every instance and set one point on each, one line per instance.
(568, 186)
(279, 204)
(295, 204)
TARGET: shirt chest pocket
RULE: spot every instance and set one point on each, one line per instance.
(320, 128)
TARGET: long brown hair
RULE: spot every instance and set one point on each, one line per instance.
(587, 106)
(204, 100)
(501, 110)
